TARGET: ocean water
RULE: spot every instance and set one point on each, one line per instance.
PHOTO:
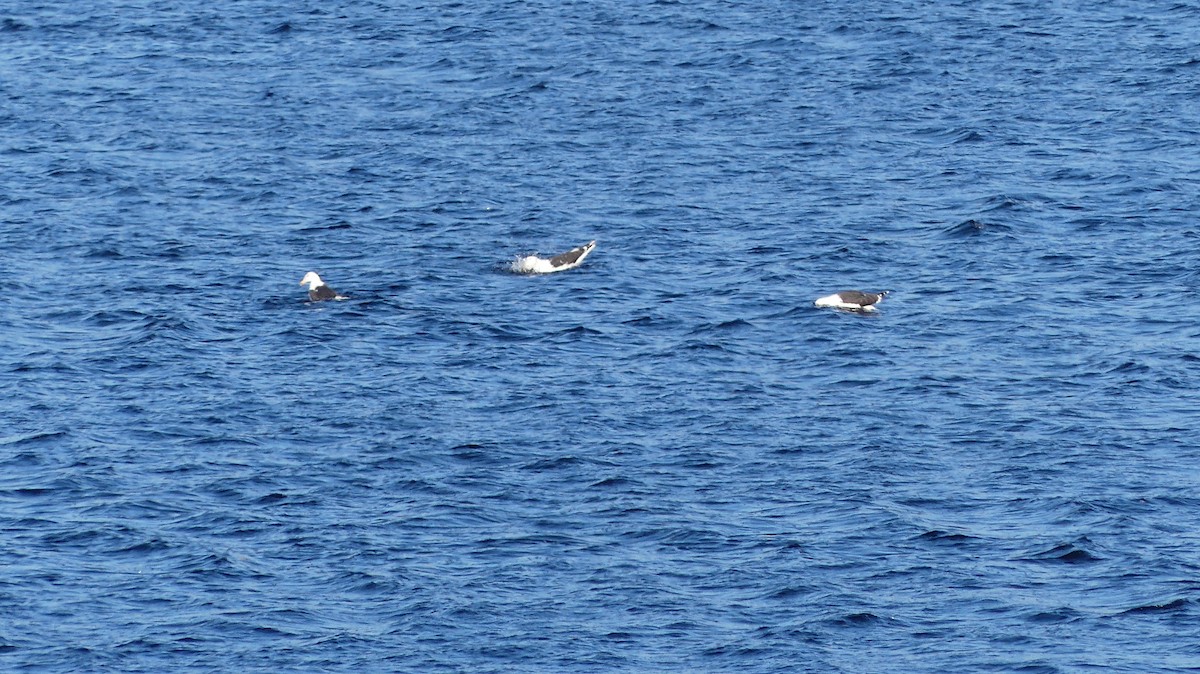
(666, 460)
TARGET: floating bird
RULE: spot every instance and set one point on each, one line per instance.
(532, 264)
(317, 290)
(854, 300)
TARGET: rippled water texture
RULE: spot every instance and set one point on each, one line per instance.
(665, 460)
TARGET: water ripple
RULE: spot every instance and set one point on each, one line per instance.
(665, 460)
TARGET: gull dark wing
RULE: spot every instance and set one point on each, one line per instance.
(321, 293)
(858, 297)
(571, 256)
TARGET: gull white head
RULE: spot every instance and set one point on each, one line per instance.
(312, 280)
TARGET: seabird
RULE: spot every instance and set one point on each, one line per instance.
(317, 290)
(532, 264)
(854, 300)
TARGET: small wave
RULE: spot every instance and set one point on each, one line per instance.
(506, 333)
(696, 345)
(144, 547)
(1167, 607)
(954, 136)
(29, 492)
(1001, 202)
(643, 321)
(860, 619)
(1061, 615)
(734, 324)
(790, 592)
(577, 332)
(968, 136)
(553, 463)
(616, 483)
(855, 383)
(683, 538)
(975, 227)
(27, 438)
(944, 536)
(104, 253)
(327, 228)
(1067, 553)
(463, 33)
(105, 318)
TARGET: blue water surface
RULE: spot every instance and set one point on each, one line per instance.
(666, 460)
